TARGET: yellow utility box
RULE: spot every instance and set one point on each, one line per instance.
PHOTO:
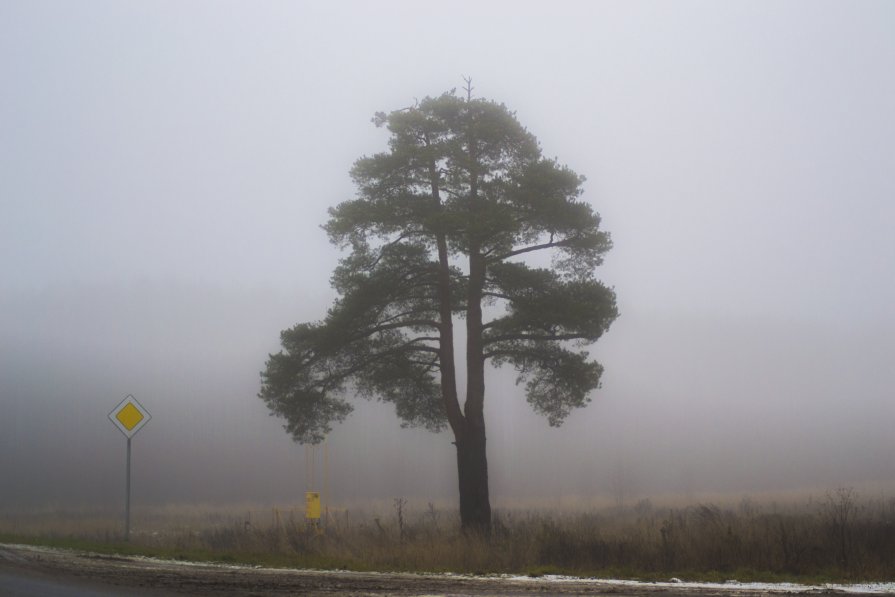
(312, 505)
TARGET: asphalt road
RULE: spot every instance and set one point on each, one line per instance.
(14, 584)
(39, 571)
(19, 578)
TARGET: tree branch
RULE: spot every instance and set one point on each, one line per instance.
(548, 245)
(392, 318)
(540, 338)
(332, 381)
(403, 324)
(382, 250)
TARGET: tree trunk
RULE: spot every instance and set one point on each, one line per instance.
(446, 332)
(472, 461)
(472, 468)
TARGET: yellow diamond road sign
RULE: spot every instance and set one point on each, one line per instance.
(129, 416)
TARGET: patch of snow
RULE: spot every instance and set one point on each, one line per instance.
(676, 583)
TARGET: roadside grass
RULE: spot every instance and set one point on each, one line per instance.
(839, 538)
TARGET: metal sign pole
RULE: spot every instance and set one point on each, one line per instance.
(127, 499)
(129, 416)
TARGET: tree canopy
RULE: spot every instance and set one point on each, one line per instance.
(449, 224)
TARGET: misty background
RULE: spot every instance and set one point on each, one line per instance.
(165, 168)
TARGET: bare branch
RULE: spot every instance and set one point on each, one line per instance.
(468, 87)
(535, 337)
(548, 245)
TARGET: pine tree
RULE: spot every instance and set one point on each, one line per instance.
(440, 231)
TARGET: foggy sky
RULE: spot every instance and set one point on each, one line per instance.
(166, 166)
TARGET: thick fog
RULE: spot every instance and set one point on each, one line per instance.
(165, 168)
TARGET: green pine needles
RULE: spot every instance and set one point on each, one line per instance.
(440, 231)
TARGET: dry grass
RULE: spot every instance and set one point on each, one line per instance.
(836, 537)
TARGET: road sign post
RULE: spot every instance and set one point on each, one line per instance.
(130, 417)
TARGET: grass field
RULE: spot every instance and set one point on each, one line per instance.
(837, 537)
